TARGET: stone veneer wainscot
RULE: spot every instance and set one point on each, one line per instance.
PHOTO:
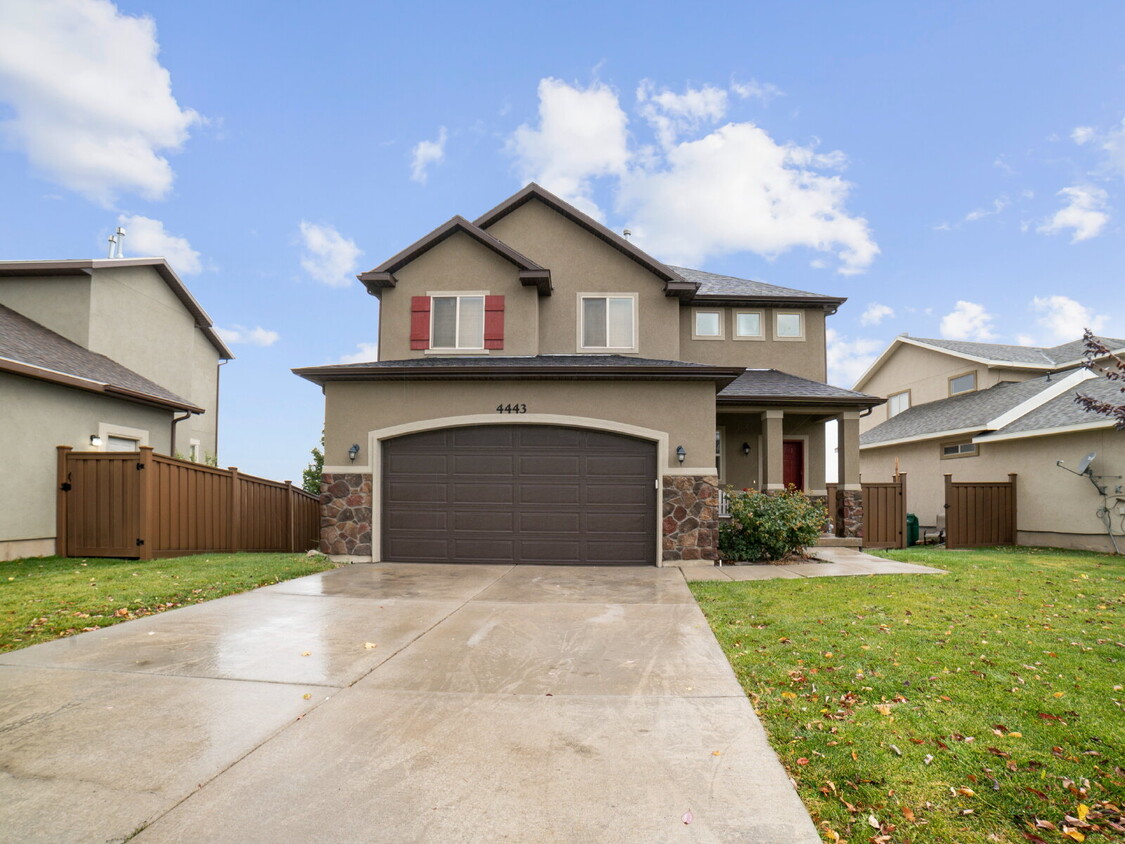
(691, 519)
(345, 515)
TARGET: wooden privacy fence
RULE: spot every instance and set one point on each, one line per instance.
(884, 513)
(144, 505)
(980, 513)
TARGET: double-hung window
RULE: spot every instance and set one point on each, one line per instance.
(457, 322)
(607, 322)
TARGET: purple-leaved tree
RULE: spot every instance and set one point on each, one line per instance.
(1101, 360)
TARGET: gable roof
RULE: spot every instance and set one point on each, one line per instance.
(1063, 413)
(86, 266)
(715, 287)
(1044, 358)
(999, 408)
(674, 283)
(34, 351)
(771, 386)
(383, 275)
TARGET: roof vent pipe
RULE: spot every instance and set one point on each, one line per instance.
(112, 245)
(120, 240)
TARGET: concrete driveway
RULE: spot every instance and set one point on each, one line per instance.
(396, 703)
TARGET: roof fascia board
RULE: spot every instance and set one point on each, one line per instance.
(53, 376)
(722, 376)
(937, 435)
(1045, 432)
(842, 403)
(534, 191)
(1039, 399)
(879, 361)
(1008, 364)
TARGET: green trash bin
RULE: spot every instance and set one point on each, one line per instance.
(911, 529)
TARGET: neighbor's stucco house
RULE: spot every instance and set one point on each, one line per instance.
(982, 411)
(96, 354)
(546, 392)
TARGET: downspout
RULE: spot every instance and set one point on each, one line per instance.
(217, 372)
(176, 420)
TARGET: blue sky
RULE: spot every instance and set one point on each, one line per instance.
(955, 170)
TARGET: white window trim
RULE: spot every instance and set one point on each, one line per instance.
(973, 389)
(761, 335)
(719, 312)
(800, 317)
(111, 429)
(458, 294)
(194, 444)
(604, 349)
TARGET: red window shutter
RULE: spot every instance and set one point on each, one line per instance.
(420, 322)
(494, 322)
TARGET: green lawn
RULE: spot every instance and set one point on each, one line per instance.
(43, 598)
(981, 705)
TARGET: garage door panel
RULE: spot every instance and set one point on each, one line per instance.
(519, 493)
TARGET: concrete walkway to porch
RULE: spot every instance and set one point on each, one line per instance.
(834, 562)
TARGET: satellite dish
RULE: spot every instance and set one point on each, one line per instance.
(1085, 462)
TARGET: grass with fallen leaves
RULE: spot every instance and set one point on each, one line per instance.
(985, 704)
(43, 598)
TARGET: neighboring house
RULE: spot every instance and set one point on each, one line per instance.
(546, 392)
(98, 355)
(981, 411)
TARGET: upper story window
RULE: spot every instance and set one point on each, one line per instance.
(897, 403)
(607, 322)
(457, 322)
(748, 325)
(963, 449)
(707, 325)
(789, 325)
(963, 383)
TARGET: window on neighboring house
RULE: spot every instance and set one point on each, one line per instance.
(113, 443)
(789, 325)
(897, 403)
(707, 325)
(120, 438)
(748, 325)
(608, 322)
(965, 449)
(193, 451)
(963, 383)
(457, 322)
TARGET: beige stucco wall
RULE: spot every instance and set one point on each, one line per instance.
(685, 411)
(35, 416)
(1053, 506)
(60, 303)
(926, 373)
(746, 471)
(581, 263)
(804, 358)
(462, 265)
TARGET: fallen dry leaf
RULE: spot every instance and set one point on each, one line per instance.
(687, 817)
(1071, 832)
(369, 645)
(307, 653)
(873, 822)
(307, 696)
(908, 813)
(883, 708)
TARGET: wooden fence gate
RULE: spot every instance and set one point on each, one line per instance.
(980, 513)
(144, 505)
(884, 513)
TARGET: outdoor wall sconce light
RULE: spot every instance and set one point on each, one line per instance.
(746, 449)
(680, 453)
(95, 441)
(353, 451)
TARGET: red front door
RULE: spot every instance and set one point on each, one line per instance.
(793, 465)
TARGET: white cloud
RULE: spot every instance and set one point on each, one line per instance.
(967, 321)
(755, 90)
(875, 314)
(247, 336)
(1110, 146)
(849, 359)
(998, 205)
(330, 257)
(581, 135)
(365, 352)
(146, 237)
(427, 153)
(1085, 213)
(1082, 134)
(92, 107)
(671, 114)
(1064, 319)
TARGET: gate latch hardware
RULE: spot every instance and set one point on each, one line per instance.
(140, 542)
(66, 486)
(140, 466)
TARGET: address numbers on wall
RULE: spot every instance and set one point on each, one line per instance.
(511, 408)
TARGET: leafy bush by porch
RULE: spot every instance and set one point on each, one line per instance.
(769, 527)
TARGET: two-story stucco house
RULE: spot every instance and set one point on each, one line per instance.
(106, 354)
(982, 411)
(546, 392)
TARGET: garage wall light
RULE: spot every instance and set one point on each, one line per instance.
(353, 451)
(746, 449)
(95, 441)
(680, 453)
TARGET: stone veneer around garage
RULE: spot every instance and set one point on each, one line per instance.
(690, 524)
(345, 514)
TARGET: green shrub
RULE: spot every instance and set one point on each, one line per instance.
(768, 527)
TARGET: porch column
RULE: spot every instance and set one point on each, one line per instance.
(849, 493)
(773, 465)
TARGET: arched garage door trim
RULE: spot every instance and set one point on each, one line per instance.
(376, 438)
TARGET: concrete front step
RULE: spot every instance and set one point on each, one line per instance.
(826, 541)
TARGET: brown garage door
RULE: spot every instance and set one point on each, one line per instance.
(519, 494)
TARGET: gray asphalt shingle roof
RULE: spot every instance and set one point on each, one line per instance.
(772, 383)
(713, 284)
(1063, 410)
(1004, 353)
(25, 341)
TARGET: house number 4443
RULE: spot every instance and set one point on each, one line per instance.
(511, 408)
